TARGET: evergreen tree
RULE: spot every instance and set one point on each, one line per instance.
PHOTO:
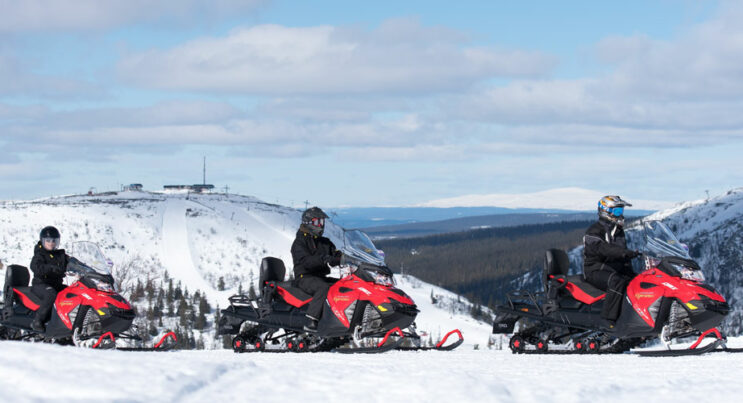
(182, 311)
(220, 284)
(169, 296)
(178, 292)
(251, 291)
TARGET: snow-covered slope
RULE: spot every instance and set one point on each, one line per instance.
(463, 375)
(198, 239)
(562, 198)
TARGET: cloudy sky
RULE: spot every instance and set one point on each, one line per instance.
(378, 103)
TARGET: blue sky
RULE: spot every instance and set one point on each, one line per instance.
(374, 104)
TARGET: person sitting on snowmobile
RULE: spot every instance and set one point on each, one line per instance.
(313, 255)
(49, 265)
(607, 261)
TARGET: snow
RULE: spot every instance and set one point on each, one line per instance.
(570, 198)
(43, 372)
(176, 250)
(198, 238)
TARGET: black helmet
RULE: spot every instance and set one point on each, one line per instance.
(611, 208)
(49, 234)
(313, 221)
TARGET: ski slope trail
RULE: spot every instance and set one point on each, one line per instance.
(463, 375)
(176, 252)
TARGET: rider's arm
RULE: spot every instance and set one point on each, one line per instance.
(597, 246)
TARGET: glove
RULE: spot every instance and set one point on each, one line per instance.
(60, 271)
(332, 260)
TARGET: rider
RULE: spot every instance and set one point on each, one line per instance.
(607, 261)
(313, 255)
(48, 265)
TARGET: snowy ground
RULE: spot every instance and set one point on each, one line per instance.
(42, 372)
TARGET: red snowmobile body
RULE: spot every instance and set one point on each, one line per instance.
(72, 305)
(362, 305)
(88, 312)
(668, 298)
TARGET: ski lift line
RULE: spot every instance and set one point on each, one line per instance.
(178, 261)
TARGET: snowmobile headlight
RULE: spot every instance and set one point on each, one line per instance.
(347, 269)
(382, 279)
(690, 274)
(102, 285)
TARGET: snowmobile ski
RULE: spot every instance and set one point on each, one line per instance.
(166, 343)
(440, 346)
(382, 347)
(682, 353)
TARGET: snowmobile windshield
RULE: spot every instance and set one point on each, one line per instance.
(661, 241)
(357, 246)
(88, 257)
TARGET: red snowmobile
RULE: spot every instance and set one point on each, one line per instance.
(363, 308)
(88, 313)
(668, 300)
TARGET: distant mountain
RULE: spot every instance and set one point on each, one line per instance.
(571, 199)
(371, 217)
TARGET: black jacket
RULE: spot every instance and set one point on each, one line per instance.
(312, 254)
(49, 266)
(605, 248)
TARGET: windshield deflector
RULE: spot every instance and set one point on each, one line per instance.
(357, 245)
(661, 241)
(90, 256)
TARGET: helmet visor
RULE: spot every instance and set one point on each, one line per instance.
(50, 243)
(318, 222)
(617, 211)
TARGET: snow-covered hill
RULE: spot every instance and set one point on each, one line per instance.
(201, 240)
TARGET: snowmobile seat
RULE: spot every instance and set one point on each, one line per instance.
(583, 291)
(555, 278)
(272, 283)
(294, 296)
(16, 288)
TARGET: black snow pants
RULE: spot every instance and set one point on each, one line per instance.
(615, 285)
(317, 287)
(47, 293)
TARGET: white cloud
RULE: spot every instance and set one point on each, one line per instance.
(17, 79)
(79, 15)
(401, 56)
(680, 92)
